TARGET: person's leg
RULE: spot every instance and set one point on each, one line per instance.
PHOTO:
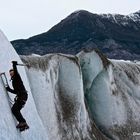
(16, 111)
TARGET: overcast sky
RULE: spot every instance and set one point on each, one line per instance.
(26, 18)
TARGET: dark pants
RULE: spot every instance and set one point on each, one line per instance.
(18, 105)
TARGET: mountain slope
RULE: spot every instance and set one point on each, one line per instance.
(118, 36)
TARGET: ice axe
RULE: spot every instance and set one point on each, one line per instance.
(25, 65)
(20, 64)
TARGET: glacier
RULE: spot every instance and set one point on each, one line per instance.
(81, 97)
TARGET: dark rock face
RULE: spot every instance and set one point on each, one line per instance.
(117, 36)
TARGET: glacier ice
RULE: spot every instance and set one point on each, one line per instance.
(8, 123)
(57, 89)
(82, 97)
(113, 95)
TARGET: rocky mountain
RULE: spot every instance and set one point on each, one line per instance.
(117, 36)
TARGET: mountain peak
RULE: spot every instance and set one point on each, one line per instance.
(138, 12)
(79, 13)
(135, 16)
(111, 33)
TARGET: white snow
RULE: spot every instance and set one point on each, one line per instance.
(135, 17)
(122, 19)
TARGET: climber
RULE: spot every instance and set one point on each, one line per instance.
(21, 98)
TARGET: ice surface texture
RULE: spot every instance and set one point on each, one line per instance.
(82, 97)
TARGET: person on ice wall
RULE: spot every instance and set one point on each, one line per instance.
(20, 91)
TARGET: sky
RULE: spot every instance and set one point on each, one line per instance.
(21, 19)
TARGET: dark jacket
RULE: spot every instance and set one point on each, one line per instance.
(18, 87)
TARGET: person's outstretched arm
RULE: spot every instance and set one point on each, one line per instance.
(15, 67)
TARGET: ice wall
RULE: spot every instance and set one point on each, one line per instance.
(8, 129)
(83, 97)
(113, 94)
(56, 107)
(56, 84)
